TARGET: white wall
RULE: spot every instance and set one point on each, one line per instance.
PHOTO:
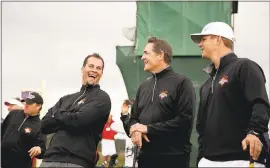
(252, 35)
(49, 40)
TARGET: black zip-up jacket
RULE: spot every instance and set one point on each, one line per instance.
(19, 134)
(76, 120)
(233, 101)
(166, 104)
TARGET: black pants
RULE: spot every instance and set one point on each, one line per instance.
(179, 161)
(10, 161)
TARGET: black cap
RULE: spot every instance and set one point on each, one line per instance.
(34, 97)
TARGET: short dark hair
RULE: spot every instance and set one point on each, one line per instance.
(96, 55)
(162, 46)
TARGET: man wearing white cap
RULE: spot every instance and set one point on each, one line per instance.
(234, 108)
(14, 104)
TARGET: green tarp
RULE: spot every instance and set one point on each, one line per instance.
(175, 21)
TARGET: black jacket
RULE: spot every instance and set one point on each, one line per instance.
(125, 121)
(19, 134)
(77, 121)
(233, 101)
(166, 104)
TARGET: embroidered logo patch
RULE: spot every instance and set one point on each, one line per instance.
(28, 130)
(223, 80)
(30, 96)
(163, 94)
(82, 101)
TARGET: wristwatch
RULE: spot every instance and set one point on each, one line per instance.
(253, 133)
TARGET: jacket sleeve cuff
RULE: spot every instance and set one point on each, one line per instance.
(60, 115)
(149, 129)
(253, 132)
(124, 116)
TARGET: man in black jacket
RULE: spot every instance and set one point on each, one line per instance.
(163, 110)
(234, 107)
(129, 147)
(20, 134)
(77, 120)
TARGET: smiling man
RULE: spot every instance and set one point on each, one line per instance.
(77, 120)
(162, 114)
(20, 134)
(234, 108)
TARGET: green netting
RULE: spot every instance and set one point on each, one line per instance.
(133, 74)
(175, 21)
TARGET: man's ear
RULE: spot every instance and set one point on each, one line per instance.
(82, 69)
(219, 39)
(161, 55)
(38, 107)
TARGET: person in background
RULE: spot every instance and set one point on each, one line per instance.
(234, 108)
(21, 136)
(129, 147)
(107, 142)
(14, 104)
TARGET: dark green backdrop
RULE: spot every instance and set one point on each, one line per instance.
(175, 21)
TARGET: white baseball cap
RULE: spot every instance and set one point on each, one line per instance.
(214, 28)
(14, 102)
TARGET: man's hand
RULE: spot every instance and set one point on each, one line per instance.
(136, 138)
(138, 127)
(34, 151)
(124, 109)
(255, 146)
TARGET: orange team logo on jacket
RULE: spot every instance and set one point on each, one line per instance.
(163, 94)
(82, 101)
(223, 80)
(27, 130)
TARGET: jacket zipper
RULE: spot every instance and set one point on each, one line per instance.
(22, 123)
(154, 87)
(79, 97)
(213, 80)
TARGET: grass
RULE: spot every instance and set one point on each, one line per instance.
(120, 159)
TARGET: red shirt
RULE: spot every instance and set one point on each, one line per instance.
(107, 132)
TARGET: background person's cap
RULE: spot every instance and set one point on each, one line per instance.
(13, 102)
(34, 97)
(214, 28)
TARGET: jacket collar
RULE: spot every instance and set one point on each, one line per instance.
(30, 116)
(89, 87)
(210, 69)
(163, 72)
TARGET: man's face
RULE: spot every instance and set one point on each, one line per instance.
(150, 59)
(92, 71)
(31, 109)
(208, 45)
